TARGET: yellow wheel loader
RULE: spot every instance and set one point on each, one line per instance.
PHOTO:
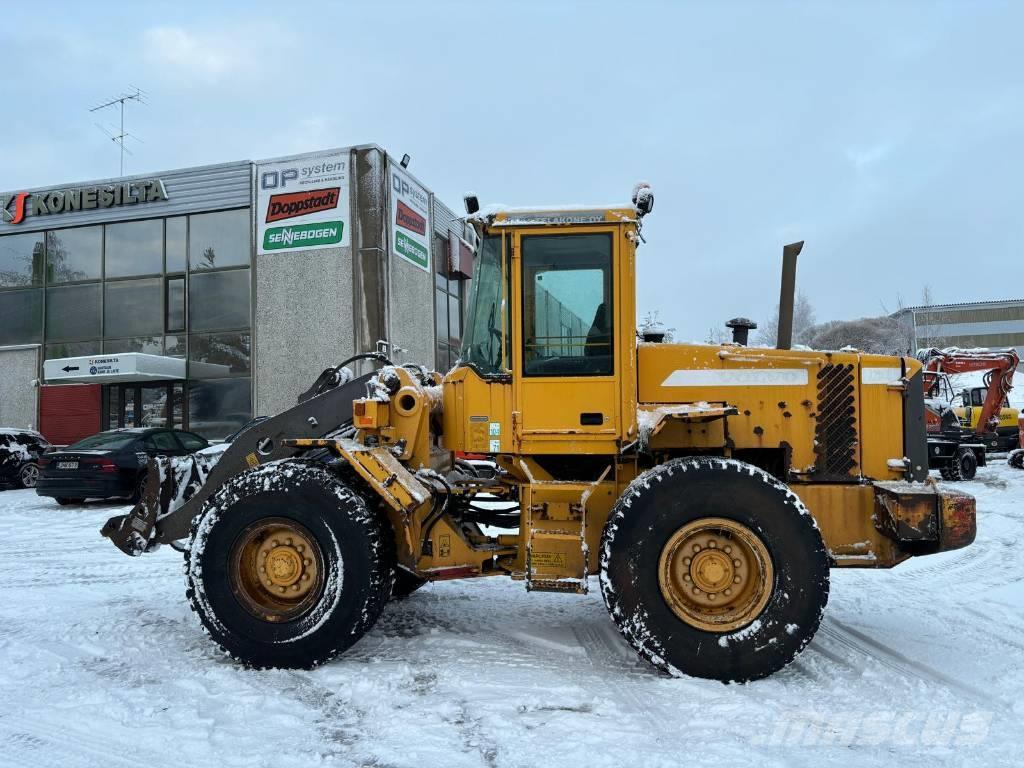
(710, 489)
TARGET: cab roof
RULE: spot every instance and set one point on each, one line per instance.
(503, 216)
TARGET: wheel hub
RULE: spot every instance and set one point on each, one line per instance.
(715, 574)
(277, 569)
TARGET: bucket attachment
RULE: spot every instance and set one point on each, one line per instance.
(133, 533)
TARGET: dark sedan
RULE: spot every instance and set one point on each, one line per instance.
(111, 464)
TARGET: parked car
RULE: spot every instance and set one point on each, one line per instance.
(110, 464)
(20, 451)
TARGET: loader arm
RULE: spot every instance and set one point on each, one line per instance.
(161, 517)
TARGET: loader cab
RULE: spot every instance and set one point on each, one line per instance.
(551, 322)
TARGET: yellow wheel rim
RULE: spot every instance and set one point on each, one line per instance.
(716, 574)
(277, 569)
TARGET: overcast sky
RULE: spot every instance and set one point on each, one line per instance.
(889, 136)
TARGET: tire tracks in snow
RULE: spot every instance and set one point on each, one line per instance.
(27, 742)
(892, 659)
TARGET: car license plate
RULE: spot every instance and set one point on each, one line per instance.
(67, 465)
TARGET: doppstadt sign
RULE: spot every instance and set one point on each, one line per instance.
(302, 203)
(15, 208)
(410, 219)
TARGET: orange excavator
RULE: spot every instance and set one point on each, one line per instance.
(955, 453)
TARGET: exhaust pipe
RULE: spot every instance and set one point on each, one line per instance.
(741, 328)
(784, 340)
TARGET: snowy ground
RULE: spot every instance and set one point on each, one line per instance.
(102, 664)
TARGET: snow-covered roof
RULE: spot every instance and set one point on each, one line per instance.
(976, 304)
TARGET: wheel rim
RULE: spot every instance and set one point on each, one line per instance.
(277, 570)
(29, 475)
(716, 574)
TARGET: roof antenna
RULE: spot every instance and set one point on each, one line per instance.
(140, 96)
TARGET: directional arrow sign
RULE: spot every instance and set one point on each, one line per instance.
(69, 368)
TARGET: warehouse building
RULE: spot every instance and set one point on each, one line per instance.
(200, 297)
(992, 324)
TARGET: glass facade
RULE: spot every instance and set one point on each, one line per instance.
(177, 286)
(448, 309)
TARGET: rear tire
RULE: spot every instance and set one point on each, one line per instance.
(29, 475)
(1016, 458)
(283, 527)
(963, 466)
(741, 515)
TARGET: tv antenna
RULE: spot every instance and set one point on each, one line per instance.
(139, 95)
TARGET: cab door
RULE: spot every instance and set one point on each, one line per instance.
(564, 350)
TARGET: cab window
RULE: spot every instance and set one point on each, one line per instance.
(567, 305)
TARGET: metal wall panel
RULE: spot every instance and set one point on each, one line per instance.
(189, 190)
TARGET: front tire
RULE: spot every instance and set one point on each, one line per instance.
(713, 568)
(287, 567)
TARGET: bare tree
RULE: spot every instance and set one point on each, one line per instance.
(804, 318)
(883, 335)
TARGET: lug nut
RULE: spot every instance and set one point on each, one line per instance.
(696, 547)
(712, 544)
(737, 563)
(305, 577)
(288, 541)
(696, 591)
(280, 589)
(686, 577)
(735, 579)
(300, 548)
(711, 596)
(728, 591)
(686, 561)
(307, 561)
(263, 569)
(728, 550)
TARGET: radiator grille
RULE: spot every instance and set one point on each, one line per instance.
(836, 432)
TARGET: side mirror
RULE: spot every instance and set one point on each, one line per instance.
(472, 204)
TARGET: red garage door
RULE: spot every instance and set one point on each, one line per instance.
(69, 412)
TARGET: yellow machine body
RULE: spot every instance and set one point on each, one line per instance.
(833, 426)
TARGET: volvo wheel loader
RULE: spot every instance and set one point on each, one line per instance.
(710, 489)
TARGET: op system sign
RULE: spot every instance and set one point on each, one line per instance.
(302, 203)
(410, 219)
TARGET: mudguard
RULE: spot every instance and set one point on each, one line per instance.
(176, 490)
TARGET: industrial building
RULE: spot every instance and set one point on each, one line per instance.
(992, 324)
(200, 297)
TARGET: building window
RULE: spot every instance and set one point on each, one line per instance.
(219, 300)
(21, 260)
(21, 316)
(134, 248)
(216, 408)
(448, 307)
(216, 355)
(71, 349)
(73, 255)
(148, 345)
(176, 244)
(73, 313)
(175, 316)
(218, 240)
(132, 308)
